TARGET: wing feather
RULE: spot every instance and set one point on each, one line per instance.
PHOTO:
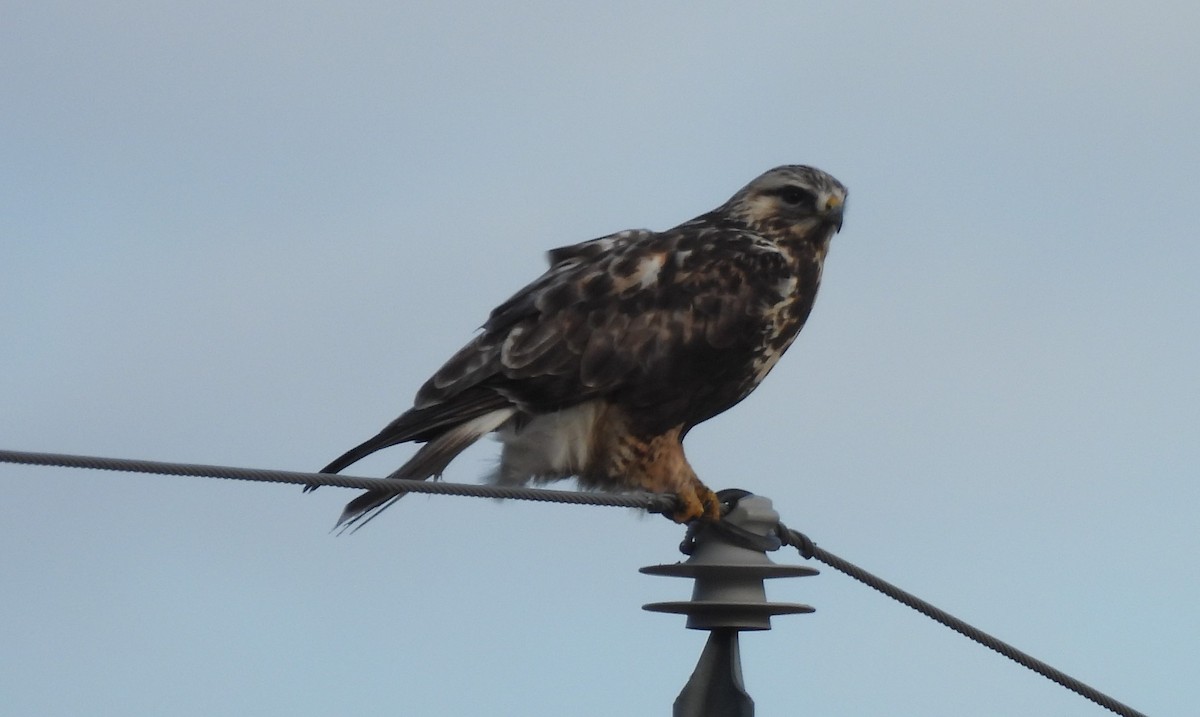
(649, 316)
(614, 313)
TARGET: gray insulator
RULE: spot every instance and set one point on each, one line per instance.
(729, 590)
(729, 564)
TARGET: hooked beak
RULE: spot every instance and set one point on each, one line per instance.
(833, 213)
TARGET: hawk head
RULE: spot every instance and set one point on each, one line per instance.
(792, 199)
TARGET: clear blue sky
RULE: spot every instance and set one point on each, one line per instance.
(245, 232)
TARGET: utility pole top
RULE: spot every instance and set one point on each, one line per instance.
(728, 561)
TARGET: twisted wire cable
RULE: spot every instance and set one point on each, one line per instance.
(653, 502)
(809, 549)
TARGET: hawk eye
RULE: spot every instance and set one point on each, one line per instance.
(797, 196)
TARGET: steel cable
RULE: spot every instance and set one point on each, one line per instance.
(653, 502)
(809, 549)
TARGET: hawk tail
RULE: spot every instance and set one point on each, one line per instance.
(428, 462)
(425, 425)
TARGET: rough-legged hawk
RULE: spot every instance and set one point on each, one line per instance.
(601, 366)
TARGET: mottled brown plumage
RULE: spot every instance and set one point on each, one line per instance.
(600, 367)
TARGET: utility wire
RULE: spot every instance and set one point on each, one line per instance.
(809, 549)
(653, 502)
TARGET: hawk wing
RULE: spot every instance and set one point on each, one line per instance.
(639, 317)
(658, 320)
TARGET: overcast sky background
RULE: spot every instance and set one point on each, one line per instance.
(245, 232)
